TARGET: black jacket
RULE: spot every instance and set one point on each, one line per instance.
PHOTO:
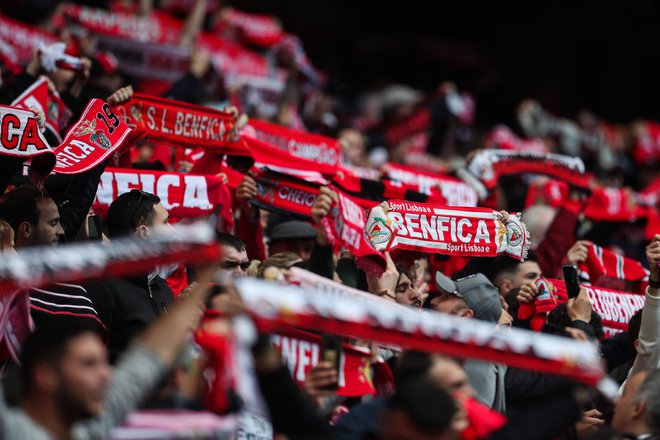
(127, 306)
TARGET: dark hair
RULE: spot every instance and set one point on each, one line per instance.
(429, 407)
(412, 364)
(48, 344)
(503, 264)
(559, 317)
(20, 205)
(230, 240)
(130, 210)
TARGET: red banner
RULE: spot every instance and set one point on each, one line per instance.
(183, 195)
(502, 137)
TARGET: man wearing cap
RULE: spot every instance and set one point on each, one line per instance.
(292, 236)
(475, 297)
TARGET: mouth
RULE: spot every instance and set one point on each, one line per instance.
(416, 304)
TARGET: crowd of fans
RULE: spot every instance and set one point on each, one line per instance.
(77, 359)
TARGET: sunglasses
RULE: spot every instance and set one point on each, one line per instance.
(143, 195)
(231, 265)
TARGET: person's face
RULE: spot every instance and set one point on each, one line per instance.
(447, 303)
(527, 272)
(406, 294)
(299, 246)
(160, 223)
(234, 262)
(48, 230)
(505, 318)
(629, 411)
(84, 375)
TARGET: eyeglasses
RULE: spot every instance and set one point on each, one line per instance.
(231, 265)
(137, 206)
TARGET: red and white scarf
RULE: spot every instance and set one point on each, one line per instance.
(258, 29)
(503, 138)
(313, 147)
(40, 97)
(615, 204)
(398, 225)
(158, 27)
(489, 165)
(301, 351)
(603, 262)
(24, 39)
(183, 195)
(285, 195)
(614, 307)
(182, 124)
(647, 142)
(37, 266)
(455, 191)
(274, 306)
(97, 134)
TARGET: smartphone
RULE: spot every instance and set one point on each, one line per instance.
(571, 280)
(332, 350)
(94, 227)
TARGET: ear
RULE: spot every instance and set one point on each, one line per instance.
(505, 285)
(466, 313)
(638, 409)
(25, 231)
(142, 232)
(45, 378)
(636, 344)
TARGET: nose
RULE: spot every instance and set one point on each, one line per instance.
(414, 296)
(59, 230)
(239, 272)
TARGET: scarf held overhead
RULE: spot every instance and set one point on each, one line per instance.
(398, 225)
(274, 305)
(489, 165)
(183, 195)
(182, 124)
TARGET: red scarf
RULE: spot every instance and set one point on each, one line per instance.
(313, 147)
(20, 136)
(273, 159)
(545, 191)
(37, 266)
(158, 27)
(97, 134)
(40, 97)
(345, 225)
(182, 124)
(647, 142)
(502, 137)
(257, 29)
(417, 122)
(399, 225)
(489, 165)
(285, 195)
(602, 262)
(278, 307)
(301, 351)
(183, 195)
(455, 191)
(614, 307)
(24, 39)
